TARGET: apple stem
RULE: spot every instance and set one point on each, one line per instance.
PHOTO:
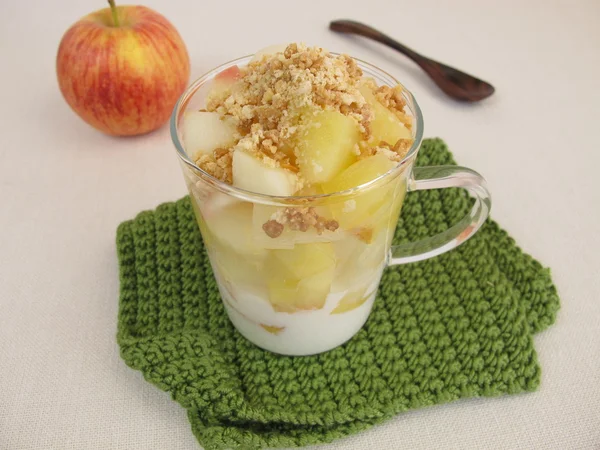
(113, 9)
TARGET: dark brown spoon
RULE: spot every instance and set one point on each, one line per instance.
(456, 84)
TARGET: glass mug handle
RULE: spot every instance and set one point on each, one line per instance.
(438, 177)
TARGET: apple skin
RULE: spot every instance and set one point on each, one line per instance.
(229, 75)
(123, 80)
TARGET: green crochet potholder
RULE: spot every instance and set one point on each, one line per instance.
(456, 326)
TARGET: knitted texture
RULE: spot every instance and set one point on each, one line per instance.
(455, 326)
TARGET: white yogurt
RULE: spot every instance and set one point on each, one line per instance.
(301, 332)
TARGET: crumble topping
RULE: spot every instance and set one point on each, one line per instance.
(218, 164)
(272, 228)
(392, 99)
(395, 152)
(273, 92)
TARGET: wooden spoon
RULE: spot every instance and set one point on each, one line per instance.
(456, 84)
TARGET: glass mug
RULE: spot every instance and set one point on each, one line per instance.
(305, 292)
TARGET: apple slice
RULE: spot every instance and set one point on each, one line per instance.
(327, 145)
(351, 300)
(358, 262)
(386, 217)
(385, 125)
(291, 295)
(207, 236)
(300, 278)
(358, 211)
(241, 272)
(303, 261)
(222, 85)
(229, 75)
(268, 51)
(225, 79)
(252, 175)
(205, 131)
(231, 228)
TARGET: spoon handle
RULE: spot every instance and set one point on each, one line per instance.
(352, 27)
(455, 83)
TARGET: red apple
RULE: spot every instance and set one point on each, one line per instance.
(122, 69)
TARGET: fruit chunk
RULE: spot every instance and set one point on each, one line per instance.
(238, 270)
(205, 131)
(222, 86)
(304, 260)
(327, 146)
(229, 75)
(224, 80)
(351, 300)
(204, 231)
(232, 229)
(358, 261)
(268, 51)
(385, 125)
(386, 217)
(300, 278)
(358, 210)
(252, 175)
(291, 295)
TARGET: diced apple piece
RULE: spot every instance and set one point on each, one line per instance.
(391, 220)
(222, 85)
(252, 175)
(358, 262)
(205, 232)
(327, 145)
(300, 278)
(357, 211)
(215, 202)
(386, 217)
(359, 173)
(232, 228)
(205, 131)
(229, 75)
(385, 125)
(351, 300)
(238, 270)
(224, 80)
(268, 51)
(303, 261)
(290, 295)
(375, 253)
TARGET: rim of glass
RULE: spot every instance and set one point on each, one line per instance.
(238, 192)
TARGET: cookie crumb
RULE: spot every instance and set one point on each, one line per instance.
(272, 228)
(298, 219)
(218, 164)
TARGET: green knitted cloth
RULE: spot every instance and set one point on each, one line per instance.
(459, 325)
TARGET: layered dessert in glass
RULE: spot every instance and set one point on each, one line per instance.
(297, 188)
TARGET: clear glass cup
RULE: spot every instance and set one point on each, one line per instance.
(302, 292)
